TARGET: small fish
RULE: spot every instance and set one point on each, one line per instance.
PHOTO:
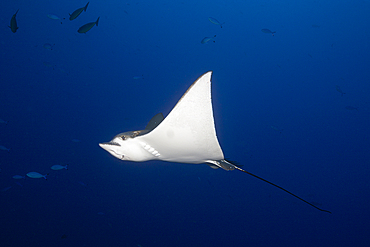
(6, 189)
(85, 28)
(276, 128)
(4, 148)
(265, 30)
(82, 183)
(53, 17)
(49, 65)
(77, 12)
(214, 21)
(13, 23)
(58, 167)
(351, 108)
(19, 177)
(207, 39)
(36, 175)
(3, 122)
(48, 46)
(339, 90)
(63, 70)
(18, 183)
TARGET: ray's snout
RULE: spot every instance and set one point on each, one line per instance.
(106, 145)
(112, 148)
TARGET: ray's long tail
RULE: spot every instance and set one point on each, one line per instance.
(240, 169)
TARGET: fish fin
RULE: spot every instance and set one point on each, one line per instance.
(86, 6)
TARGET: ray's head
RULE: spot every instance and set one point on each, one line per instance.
(116, 147)
(125, 146)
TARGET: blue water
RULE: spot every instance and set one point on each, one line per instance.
(276, 107)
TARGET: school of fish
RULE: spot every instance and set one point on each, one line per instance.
(83, 29)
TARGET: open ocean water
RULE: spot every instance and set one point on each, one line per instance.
(290, 92)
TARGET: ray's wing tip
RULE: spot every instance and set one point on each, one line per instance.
(207, 76)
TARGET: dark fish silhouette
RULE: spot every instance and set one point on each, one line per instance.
(265, 30)
(13, 23)
(88, 26)
(207, 39)
(77, 12)
(214, 21)
(339, 90)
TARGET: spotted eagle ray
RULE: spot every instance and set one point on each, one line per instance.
(186, 135)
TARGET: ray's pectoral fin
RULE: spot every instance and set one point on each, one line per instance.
(227, 165)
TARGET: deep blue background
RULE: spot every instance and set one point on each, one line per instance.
(84, 88)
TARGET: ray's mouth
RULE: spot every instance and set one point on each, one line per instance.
(109, 144)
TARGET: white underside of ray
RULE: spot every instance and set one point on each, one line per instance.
(187, 134)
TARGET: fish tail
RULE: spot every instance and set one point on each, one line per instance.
(86, 6)
(97, 21)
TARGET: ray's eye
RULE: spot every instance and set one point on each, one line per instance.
(123, 138)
